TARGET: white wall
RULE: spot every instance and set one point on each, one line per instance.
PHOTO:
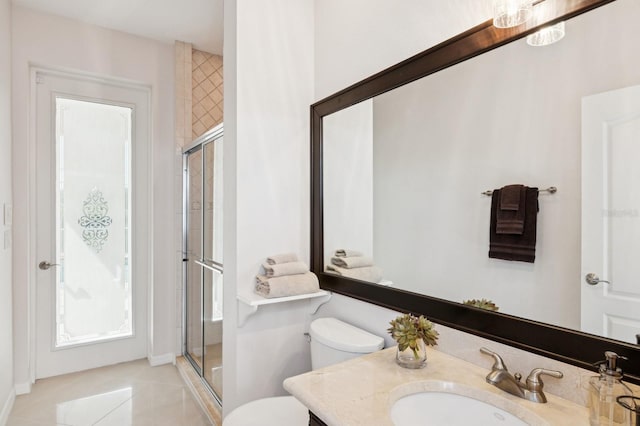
(67, 44)
(357, 38)
(268, 77)
(6, 332)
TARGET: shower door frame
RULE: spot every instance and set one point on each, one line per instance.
(198, 144)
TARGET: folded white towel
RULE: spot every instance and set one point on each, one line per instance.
(352, 262)
(282, 258)
(280, 269)
(288, 285)
(371, 274)
(347, 253)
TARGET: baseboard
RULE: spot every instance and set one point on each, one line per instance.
(6, 409)
(22, 388)
(169, 358)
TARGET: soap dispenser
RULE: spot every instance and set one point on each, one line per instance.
(603, 391)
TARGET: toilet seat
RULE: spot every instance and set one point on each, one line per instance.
(276, 411)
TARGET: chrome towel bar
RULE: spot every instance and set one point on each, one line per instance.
(550, 190)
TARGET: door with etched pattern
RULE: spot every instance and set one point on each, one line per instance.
(92, 222)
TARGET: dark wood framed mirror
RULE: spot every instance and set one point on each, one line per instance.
(564, 344)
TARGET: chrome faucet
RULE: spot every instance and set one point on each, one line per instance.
(502, 379)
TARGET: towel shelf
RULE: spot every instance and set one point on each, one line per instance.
(248, 303)
(550, 190)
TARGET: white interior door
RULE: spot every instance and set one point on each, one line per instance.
(92, 223)
(611, 213)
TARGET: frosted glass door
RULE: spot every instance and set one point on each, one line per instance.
(93, 179)
(92, 223)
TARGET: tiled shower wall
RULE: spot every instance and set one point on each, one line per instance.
(199, 92)
(207, 92)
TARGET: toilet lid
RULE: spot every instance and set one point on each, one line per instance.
(277, 411)
(344, 337)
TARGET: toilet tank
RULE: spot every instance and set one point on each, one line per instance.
(334, 341)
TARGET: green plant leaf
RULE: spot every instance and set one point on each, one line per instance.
(407, 329)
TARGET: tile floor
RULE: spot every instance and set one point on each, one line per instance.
(131, 393)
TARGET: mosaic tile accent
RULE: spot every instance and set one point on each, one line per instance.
(207, 95)
(95, 220)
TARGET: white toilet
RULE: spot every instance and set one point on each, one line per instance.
(332, 341)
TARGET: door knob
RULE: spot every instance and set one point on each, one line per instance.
(593, 279)
(44, 265)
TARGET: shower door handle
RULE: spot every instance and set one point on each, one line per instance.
(44, 265)
(210, 265)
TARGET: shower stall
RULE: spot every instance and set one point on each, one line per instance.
(202, 258)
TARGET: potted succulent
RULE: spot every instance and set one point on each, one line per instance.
(413, 335)
(482, 304)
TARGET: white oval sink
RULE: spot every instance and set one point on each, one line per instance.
(443, 403)
(441, 408)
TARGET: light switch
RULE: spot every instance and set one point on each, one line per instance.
(8, 214)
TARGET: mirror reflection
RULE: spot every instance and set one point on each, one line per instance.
(404, 174)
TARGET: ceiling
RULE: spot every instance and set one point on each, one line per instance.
(199, 22)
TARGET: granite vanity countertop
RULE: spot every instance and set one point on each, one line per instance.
(361, 391)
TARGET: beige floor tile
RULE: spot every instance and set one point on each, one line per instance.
(129, 393)
(17, 421)
(169, 405)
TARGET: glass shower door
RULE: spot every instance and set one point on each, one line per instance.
(203, 258)
(193, 252)
(213, 269)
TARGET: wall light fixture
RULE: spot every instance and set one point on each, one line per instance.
(547, 35)
(511, 13)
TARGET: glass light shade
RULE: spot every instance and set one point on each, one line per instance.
(511, 13)
(547, 35)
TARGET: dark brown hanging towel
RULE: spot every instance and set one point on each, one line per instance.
(513, 246)
(511, 210)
